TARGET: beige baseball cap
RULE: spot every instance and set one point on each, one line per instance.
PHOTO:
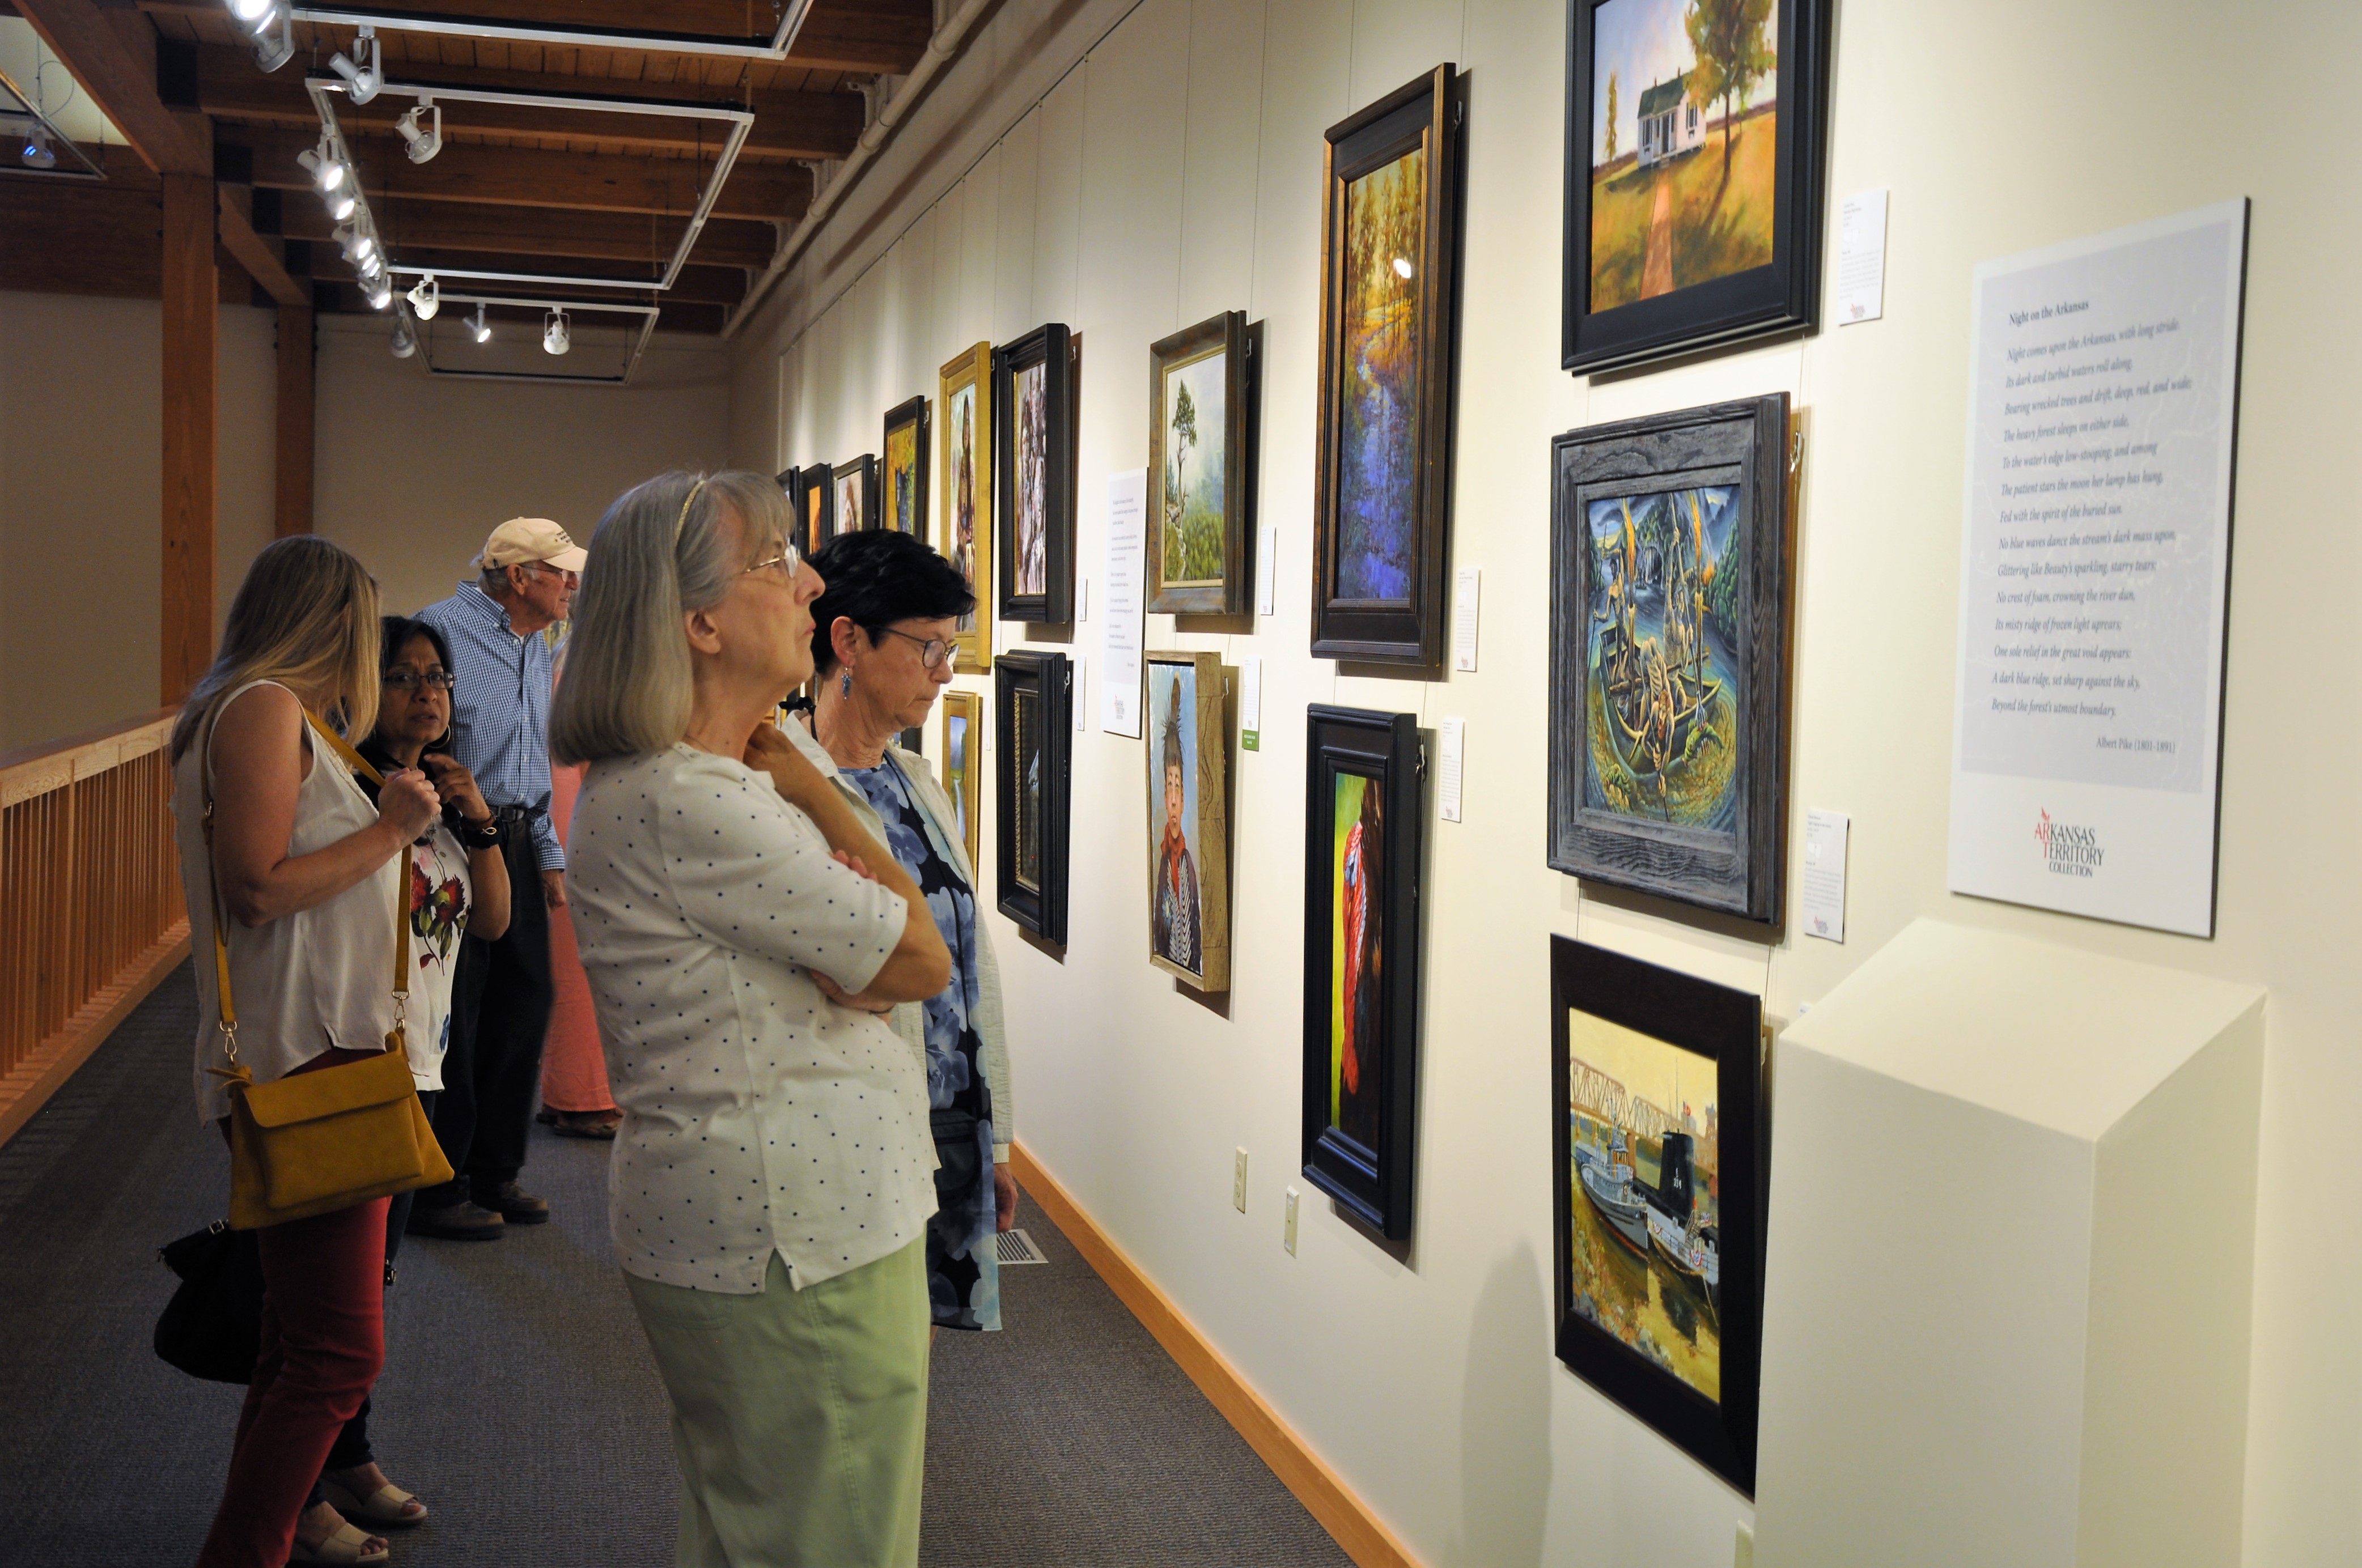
(521, 540)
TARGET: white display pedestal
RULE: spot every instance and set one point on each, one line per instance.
(2009, 1263)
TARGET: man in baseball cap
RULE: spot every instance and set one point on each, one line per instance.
(525, 583)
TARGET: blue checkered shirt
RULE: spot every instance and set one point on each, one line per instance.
(500, 707)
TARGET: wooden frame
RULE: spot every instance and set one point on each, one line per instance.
(1033, 474)
(1187, 749)
(814, 497)
(965, 534)
(1754, 277)
(1362, 961)
(1679, 1257)
(1381, 505)
(1668, 773)
(1221, 352)
(855, 481)
(964, 769)
(1034, 703)
(902, 469)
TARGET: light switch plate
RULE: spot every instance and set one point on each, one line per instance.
(1288, 1238)
(1742, 1555)
(1239, 1182)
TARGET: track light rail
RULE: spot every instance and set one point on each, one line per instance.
(752, 46)
(639, 345)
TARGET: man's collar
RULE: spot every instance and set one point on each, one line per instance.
(494, 608)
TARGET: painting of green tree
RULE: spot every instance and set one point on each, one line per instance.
(1195, 465)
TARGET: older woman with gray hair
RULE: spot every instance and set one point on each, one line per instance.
(745, 940)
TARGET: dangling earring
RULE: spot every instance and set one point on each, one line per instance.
(845, 683)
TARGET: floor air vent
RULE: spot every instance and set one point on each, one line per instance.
(1016, 1246)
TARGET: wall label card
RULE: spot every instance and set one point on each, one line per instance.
(1825, 833)
(1862, 257)
(2094, 558)
(1452, 737)
(1465, 584)
(1127, 606)
(1251, 703)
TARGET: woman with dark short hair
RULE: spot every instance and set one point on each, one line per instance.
(881, 650)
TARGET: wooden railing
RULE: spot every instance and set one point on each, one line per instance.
(91, 915)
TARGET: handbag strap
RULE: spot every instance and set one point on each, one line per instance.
(226, 1006)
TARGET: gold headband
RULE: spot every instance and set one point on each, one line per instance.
(682, 520)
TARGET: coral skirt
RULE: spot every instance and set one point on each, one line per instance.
(573, 1066)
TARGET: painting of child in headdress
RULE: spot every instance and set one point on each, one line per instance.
(1173, 902)
(1188, 925)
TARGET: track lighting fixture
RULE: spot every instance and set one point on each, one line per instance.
(421, 144)
(37, 153)
(478, 327)
(427, 297)
(274, 40)
(406, 341)
(340, 205)
(554, 339)
(362, 81)
(363, 248)
(321, 163)
(379, 294)
(249, 11)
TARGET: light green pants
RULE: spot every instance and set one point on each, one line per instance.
(799, 1416)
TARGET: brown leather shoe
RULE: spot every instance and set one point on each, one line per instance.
(458, 1223)
(515, 1205)
(587, 1124)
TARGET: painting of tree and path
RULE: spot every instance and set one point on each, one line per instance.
(1377, 463)
(1686, 127)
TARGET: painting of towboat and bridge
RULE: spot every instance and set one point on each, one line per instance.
(1643, 1252)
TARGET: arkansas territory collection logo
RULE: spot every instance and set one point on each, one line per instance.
(2069, 849)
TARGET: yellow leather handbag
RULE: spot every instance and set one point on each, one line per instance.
(311, 1143)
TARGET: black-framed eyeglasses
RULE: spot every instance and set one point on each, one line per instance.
(411, 680)
(931, 649)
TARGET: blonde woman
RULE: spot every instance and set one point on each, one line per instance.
(308, 873)
(771, 1183)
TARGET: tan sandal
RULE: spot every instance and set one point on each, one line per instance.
(346, 1546)
(389, 1505)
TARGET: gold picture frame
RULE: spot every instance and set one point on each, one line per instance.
(963, 770)
(963, 527)
(1186, 743)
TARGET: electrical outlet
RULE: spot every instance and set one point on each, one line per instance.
(1288, 1238)
(1742, 1555)
(1239, 1182)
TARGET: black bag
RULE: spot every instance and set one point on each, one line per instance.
(211, 1328)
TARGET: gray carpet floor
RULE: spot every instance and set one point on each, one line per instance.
(519, 1399)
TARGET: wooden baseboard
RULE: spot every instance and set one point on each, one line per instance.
(1365, 1537)
(54, 1062)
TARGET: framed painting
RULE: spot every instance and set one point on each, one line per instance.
(1669, 655)
(1389, 246)
(902, 469)
(1693, 183)
(963, 393)
(1200, 399)
(1033, 698)
(1657, 1188)
(963, 747)
(1362, 816)
(1189, 819)
(856, 493)
(815, 505)
(1034, 458)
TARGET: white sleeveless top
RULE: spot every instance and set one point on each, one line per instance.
(320, 977)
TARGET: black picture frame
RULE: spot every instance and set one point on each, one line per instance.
(814, 499)
(1047, 597)
(910, 415)
(1351, 620)
(1034, 713)
(1716, 769)
(1367, 1168)
(1777, 296)
(1725, 1026)
(1228, 336)
(858, 478)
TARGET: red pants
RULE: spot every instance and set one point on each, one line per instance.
(323, 1343)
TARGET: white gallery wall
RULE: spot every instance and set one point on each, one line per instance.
(82, 501)
(1131, 169)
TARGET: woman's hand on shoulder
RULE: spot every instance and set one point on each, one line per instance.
(798, 783)
(453, 782)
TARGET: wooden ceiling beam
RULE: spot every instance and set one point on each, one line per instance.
(700, 285)
(405, 225)
(678, 314)
(254, 253)
(110, 51)
(528, 177)
(787, 124)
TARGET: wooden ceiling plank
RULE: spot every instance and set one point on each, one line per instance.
(525, 231)
(707, 285)
(262, 264)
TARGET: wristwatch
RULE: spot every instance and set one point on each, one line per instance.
(475, 836)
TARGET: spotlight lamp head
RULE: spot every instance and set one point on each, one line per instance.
(421, 144)
(361, 80)
(554, 338)
(406, 341)
(249, 11)
(322, 164)
(478, 327)
(274, 40)
(427, 297)
(379, 295)
(340, 205)
(37, 153)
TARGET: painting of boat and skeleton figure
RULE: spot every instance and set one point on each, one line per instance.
(1662, 724)
(1685, 120)
(1377, 460)
(1643, 1242)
